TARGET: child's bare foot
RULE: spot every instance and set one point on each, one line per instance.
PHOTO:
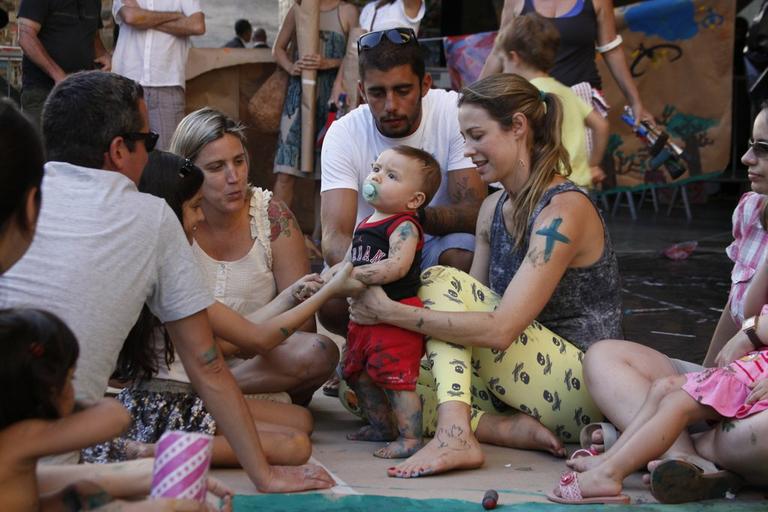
(451, 448)
(369, 433)
(582, 464)
(400, 448)
(138, 450)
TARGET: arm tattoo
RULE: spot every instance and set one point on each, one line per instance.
(209, 356)
(280, 220)
(463, 192)
(461, 214)
(552, 235)
(443, 220)
(286, 331)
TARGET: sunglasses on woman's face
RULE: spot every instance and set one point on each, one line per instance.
(397, 36)
(759, 148)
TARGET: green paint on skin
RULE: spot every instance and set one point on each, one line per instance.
(97, 500)
(552, 236)
(209, 355)
(286, 332)
(370, 191)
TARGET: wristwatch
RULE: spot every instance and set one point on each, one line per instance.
(749, 327)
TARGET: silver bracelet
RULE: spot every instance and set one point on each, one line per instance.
(611, 45)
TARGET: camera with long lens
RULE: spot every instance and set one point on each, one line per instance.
(663, 152)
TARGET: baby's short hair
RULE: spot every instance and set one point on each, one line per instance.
(430, 169)
(533, 37)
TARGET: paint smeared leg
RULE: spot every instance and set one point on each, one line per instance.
(375, 406)
(407, 408)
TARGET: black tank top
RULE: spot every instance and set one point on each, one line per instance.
(370, 244)
(575, 59)
(586, 305)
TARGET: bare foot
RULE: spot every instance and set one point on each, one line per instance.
(582, 464)
(598, 444)
(138, 450)
(400, 448)
(451, 448)
(518, 431)
(368, 433)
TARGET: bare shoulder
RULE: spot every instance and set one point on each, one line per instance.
(603, 6)
(489, 203)
(281, 220)
(511, 9)
(572, 201)
(485, 215)
(349, 12)
(578, 215)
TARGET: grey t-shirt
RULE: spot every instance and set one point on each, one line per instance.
(101, 250)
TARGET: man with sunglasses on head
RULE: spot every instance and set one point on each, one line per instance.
(102, 250)
(401, 109)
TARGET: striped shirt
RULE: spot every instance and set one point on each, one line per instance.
(747, 251)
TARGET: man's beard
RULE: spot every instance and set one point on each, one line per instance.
(405, 129)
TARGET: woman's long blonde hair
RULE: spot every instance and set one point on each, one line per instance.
(503, 95)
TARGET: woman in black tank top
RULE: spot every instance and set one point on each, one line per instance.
(586, 27)
(541, 251)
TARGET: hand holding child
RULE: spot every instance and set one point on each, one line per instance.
(759, 391)
(735, 348)
(367, 308)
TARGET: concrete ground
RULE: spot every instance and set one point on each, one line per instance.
(672, 306)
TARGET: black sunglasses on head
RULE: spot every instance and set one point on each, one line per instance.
(149, 138)
(759, 148)
(398, 36)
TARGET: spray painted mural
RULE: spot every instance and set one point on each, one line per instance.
(680, 53)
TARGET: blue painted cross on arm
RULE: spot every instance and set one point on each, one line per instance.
(552, 236)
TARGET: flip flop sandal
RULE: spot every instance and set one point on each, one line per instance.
(583, 452)
(610, 435)
(568, 492)
(681, 481)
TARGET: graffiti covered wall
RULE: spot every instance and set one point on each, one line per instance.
(680, 53)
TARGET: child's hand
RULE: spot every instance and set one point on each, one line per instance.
(341, 281)
(759, 391)
(737, 347)
(306, 287)
(597, 174)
